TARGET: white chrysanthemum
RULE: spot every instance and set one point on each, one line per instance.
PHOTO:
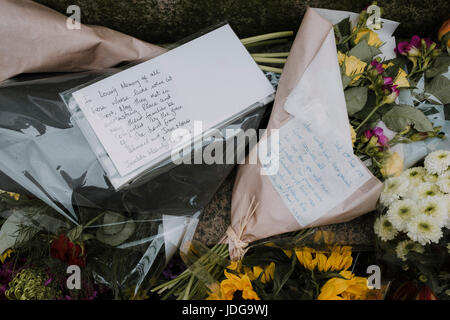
(404, 247)
(384, 228)
(433, 178)
(437, 161)
(444, 182)
(393, 189)
(424, 229)
(401, 212)
(414, 175)
(425, 190)
(435, 207)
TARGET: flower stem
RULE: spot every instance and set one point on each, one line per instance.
(268, 36)
(270, 69)
(369, 116)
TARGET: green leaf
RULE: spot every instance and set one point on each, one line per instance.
(439, 66)
(440, 88)
(363, 51)
(344, 27)
(402, 115)
(282, 274)
(356, 99)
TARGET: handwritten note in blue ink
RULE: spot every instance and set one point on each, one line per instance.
(316, 170)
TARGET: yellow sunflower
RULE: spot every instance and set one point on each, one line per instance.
(267, 272)
(350, 288)
(338, 258)
(235, 287)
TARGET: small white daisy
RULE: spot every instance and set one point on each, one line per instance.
(401, 212)
(384, 228)
(393, 189)
(425, 190)
(424, 229)
(444, 182)
(404, 247)
(437, 161)
(435, 207)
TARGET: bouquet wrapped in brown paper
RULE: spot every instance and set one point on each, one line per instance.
(318, 180)
(56, 48)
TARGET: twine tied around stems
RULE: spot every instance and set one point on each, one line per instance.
(238, 247)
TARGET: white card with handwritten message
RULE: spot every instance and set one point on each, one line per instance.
(317, 171)
(133, 113)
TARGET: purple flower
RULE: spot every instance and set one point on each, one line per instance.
(416, 42)
(379, 133)
(378, 66)
(412, 48)
(174, 268)
(428, 41)
(402, 48)
(387, 82)
(48, 281)
(368, 134)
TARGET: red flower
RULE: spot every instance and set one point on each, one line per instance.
(67, 251)
(426, 293)
(407, 291)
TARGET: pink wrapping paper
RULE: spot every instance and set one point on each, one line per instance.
(272, 217)
(34, 38)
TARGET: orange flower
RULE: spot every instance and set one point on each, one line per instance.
(445, 28)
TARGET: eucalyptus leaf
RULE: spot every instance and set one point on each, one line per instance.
(400, 116)
(282, 274)
(439, 66)
(439, 87)
(363, 51)
(356, 99)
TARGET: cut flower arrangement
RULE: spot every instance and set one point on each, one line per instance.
(388, 104)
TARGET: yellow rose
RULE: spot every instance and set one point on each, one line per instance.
(353, 135)
(341, 57)
(354, 67)
(401, 80)
(374, 39)
(392, 165)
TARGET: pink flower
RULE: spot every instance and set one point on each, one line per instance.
(402, 48)
(428, 41)
(377, 132)
(412, 48)
(387, 82)
(378, 66)
(368, 134)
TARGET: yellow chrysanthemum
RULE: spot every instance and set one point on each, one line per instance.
(339, 258)
(350, 288)
(267, 272)
(5, 255)
(374, 39)
(235, 287)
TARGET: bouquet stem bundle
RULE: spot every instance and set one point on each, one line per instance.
(271, 58)
(190, 283)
